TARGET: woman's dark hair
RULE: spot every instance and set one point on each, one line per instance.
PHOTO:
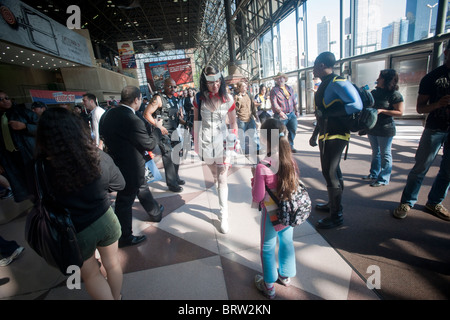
(207, 71)
(287, 170)
(65, 141)
(261, 87)
(390, 77)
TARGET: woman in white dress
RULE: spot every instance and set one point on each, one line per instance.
(214, 111)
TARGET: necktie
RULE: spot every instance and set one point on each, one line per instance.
(9, 144)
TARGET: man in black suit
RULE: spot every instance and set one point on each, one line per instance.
(127, 139)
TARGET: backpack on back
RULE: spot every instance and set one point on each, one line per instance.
(294, 211)
(365, 119)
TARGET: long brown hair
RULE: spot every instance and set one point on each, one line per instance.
(288, 172)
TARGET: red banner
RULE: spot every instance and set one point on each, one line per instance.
(179, 70)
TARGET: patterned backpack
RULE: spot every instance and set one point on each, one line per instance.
(296, 210)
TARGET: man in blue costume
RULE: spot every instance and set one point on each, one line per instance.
(335, 100)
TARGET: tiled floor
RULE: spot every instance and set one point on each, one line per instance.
(185, 257)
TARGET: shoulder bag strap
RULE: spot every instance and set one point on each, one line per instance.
(271, 194)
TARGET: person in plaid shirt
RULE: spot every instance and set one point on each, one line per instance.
(284, 106)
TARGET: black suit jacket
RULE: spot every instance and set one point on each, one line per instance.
(127, 139)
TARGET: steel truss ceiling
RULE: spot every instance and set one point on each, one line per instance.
(160, 25)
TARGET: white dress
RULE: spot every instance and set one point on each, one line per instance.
(214, 131)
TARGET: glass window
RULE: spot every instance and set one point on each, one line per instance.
(301, 37)
(267, 54)
(288, 44)
(366, 73)
(276, 48)
(410, 70)
(323, 28)
(381, 24)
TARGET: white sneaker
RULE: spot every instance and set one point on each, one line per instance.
(286, 281)
(261, 286)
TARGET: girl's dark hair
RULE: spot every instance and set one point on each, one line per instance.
(210, 70)
(288, 172)
(65, 141)
(390, 77)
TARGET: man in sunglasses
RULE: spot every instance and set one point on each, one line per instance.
(165, 106)
(17, 141)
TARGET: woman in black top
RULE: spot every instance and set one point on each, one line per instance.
(80, 176)
(389, 103)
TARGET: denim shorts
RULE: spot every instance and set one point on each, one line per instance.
(101, 233)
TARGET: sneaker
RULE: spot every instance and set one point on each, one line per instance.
(4, 262)
(439, 210)
(286, 281)
(377, 184)
(261, 286)
(402, 211)
(369, 177)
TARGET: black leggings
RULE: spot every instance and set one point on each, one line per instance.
(330, 158)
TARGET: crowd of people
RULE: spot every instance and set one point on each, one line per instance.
(91, 152)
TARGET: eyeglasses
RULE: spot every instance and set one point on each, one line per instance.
(5, 98)
(172, 87)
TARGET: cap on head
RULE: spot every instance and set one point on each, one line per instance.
(327, 58)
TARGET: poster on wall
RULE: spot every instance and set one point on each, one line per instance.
(22, 25)
(179, 70)
(126, 54)
(57, 97)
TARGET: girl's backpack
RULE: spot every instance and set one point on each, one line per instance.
(296, 210)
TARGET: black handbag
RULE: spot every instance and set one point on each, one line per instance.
(49, 229)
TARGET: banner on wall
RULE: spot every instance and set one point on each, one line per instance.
(56, 97)
(22, 25)
(126, 53)
(179, 70)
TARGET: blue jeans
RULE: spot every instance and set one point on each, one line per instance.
(381, 166)
(252, 134)
(286, 252)
(429, 146)
(291, 124)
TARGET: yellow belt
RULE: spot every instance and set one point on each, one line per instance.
(326, 136)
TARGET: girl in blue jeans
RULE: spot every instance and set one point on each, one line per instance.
(278, 171)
